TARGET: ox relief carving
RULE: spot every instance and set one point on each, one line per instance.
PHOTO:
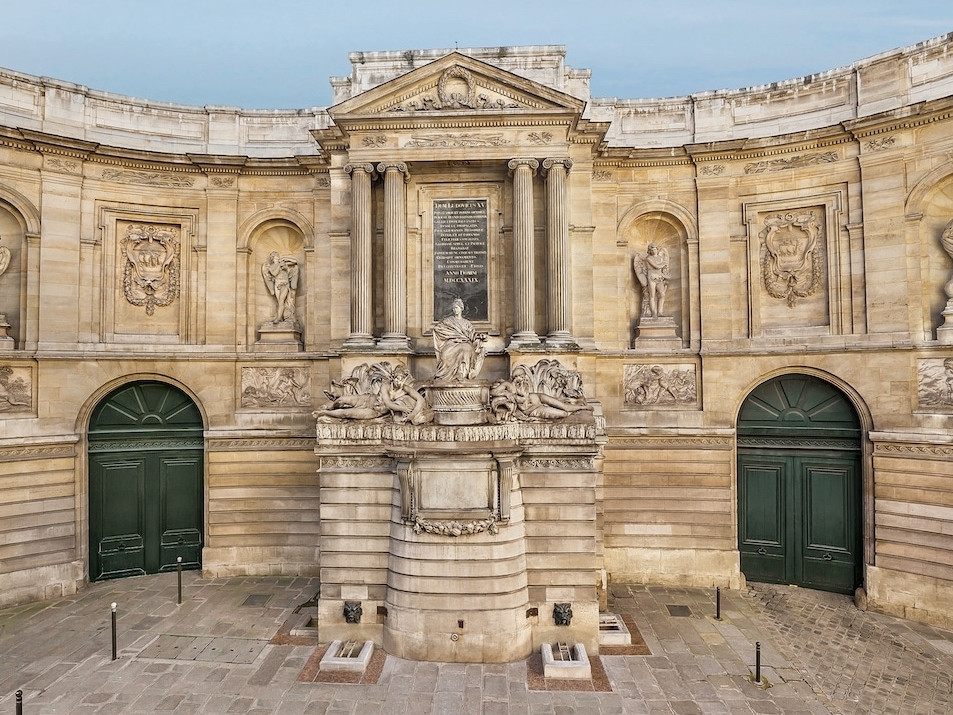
(652, 385)
(935, 384)
(15, 389)
(276, 387)
(151, 273)
(791, 255)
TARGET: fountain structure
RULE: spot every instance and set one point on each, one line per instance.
(460, 514)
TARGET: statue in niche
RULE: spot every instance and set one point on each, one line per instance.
(460, 348)
(281, 278)
(374, 391)
(546, 391)
(790, 256)
(4, 259)
(652, 272)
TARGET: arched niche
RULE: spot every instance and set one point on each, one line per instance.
(672, 228)
(285, 238)
(13, 274)
(930, 209)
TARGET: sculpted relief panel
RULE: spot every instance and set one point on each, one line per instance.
(656, 385)
(935, 384)
(150, 275)
(276, 387)
(16, 389)
(791, 258)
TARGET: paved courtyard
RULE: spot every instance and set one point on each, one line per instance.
(224, 650)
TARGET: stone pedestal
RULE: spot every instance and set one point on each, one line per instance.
(459, 403)
(279, 337)
(657, 333)
(6, 342)
(429, 526)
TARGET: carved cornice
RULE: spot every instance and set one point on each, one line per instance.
(350, 463)
(140, 444)
(925, 451)
(246, 444)
(580, 464)
(674, 442)
(20, 453)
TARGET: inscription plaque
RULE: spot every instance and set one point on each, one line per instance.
(460, 257)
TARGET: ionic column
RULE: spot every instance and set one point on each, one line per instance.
(557, 251)
(523, 253)
(395, 254)
(361, 233)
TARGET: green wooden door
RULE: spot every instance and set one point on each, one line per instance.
(145, 482)
(799, 486)
(799, 519)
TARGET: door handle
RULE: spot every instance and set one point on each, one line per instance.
(827, 557)
(761, 551)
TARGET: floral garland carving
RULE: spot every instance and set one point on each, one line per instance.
(455, 528)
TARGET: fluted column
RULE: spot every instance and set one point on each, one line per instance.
(523, 253)
(361, 233)
(557, 251)
(395, 254)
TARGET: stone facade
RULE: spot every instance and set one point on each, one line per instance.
(250, 258)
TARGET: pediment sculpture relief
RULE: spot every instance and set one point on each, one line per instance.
(151, 271)
(456, 89)
(791, 256)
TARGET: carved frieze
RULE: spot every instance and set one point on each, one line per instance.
(443, 140)
(712, 170)
(879, 143)
(793, 162)
(378, 140)
(16, 389)
(791, 256)
(222, 182)
(651, 385)
(601, 175)
(539, 137)
(148, 178)
(276, 387)
(564, 463)
(151, 271)
(64, 165)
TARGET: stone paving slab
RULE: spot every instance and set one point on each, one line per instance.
(212, 654)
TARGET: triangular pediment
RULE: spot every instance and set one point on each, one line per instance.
(453, 85)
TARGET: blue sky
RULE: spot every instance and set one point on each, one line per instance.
(279, 54)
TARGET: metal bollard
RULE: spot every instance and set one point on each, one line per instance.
(19, 702)
(718, 603)
(178, 567)
(757, 662)
(113, 606)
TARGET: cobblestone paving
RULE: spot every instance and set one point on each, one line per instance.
(859, 662)
(212, 654)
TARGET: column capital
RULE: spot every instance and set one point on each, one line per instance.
(557, 161)
(365, 166)
(401, 166)
(514, 164)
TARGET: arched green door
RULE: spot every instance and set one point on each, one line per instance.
(799, 485)
(146, 468)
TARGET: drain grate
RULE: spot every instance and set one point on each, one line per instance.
(679, 610)
(257, 599)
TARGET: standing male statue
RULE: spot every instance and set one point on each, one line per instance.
(652, 272)
(281, 277)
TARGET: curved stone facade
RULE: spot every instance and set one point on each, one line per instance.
(800, 228)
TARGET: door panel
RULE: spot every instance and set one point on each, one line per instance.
(181, 510)
(763, 539)
(830, 552)
(117, 487)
